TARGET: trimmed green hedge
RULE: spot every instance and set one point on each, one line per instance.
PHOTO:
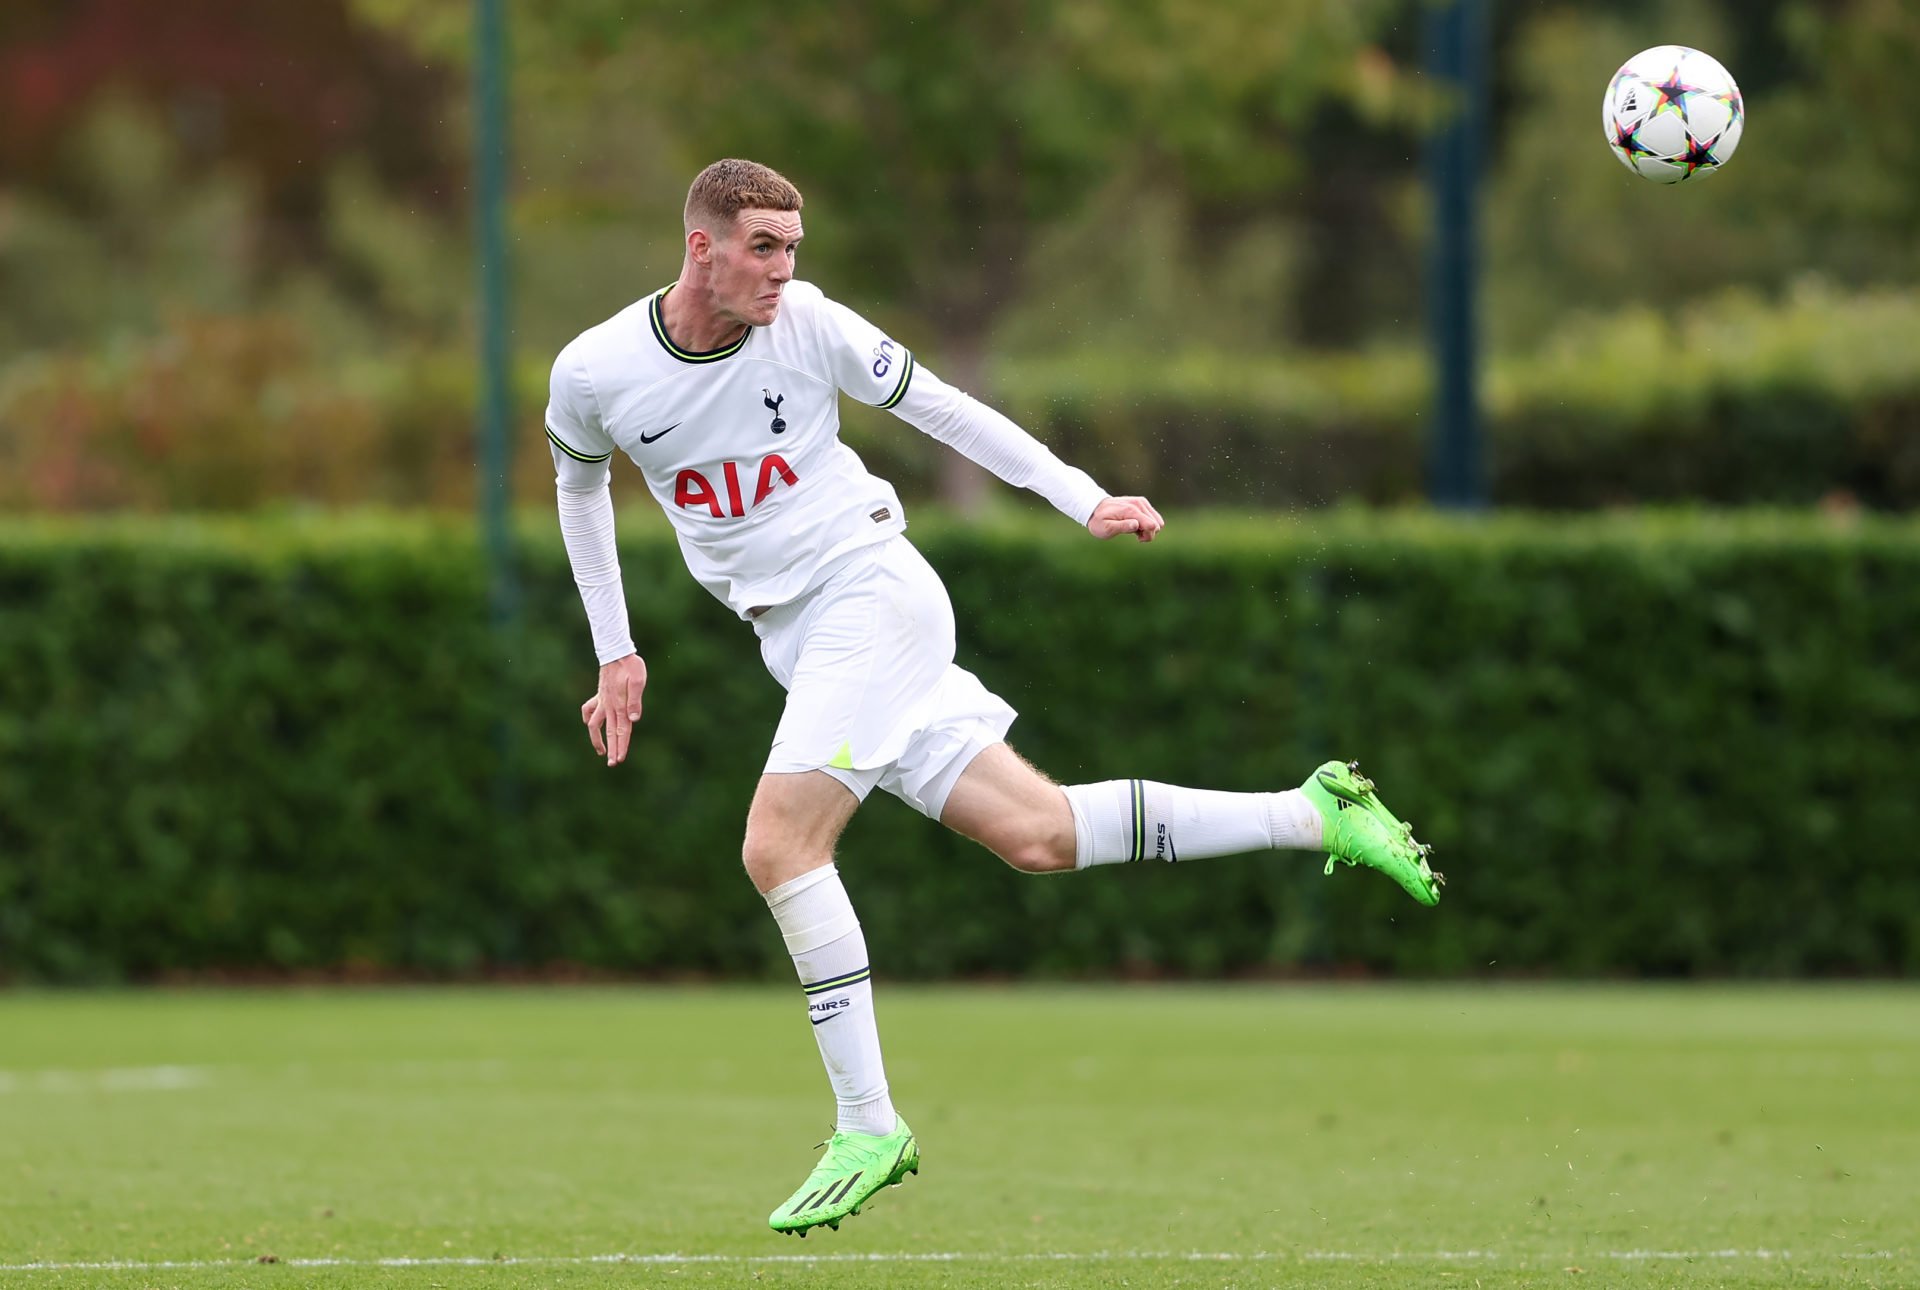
(1680, 744)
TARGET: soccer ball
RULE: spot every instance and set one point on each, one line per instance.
(1672, 113)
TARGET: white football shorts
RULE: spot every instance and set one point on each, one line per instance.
(873, 696)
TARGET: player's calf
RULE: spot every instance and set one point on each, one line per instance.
(1127, 820)
(1120, 821)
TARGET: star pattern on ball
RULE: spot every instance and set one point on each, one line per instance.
(1698, 156)
(1673, 92)
(1628, 141)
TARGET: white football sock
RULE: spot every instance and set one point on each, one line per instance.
(830, 954)
(1137, 819)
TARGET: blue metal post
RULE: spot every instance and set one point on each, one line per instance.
(1456, 38)
(496, 374)
(490, 251)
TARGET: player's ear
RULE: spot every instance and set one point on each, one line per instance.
(700, 246)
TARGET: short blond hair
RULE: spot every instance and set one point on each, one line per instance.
(726, 188)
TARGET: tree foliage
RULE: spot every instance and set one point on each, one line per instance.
(935, 137)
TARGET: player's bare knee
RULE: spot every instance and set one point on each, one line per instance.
(770, 861)
(1036, 852)
(754, 859)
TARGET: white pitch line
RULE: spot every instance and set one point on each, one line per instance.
(122, 1079)
(953, 1256)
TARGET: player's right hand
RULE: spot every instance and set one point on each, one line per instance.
(611, 714)
(1117, 515)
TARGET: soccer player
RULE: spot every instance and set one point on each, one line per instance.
(723, 387)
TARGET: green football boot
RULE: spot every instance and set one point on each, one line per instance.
(1361, 830)
(855, 1167)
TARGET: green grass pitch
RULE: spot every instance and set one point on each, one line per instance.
(1141, 1136)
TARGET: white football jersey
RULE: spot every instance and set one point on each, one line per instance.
(739, 445)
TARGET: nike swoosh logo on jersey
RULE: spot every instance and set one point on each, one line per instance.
(649, 438)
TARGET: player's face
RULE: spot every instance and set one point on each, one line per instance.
(753, 262)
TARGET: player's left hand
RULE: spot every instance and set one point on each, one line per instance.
(611, 713)
(1117, 515)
